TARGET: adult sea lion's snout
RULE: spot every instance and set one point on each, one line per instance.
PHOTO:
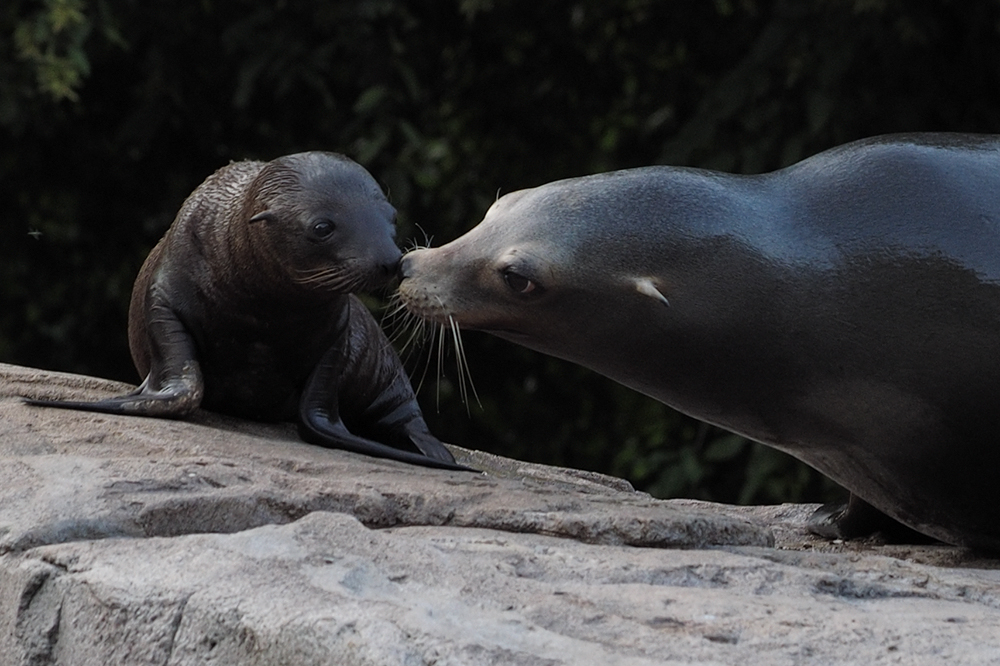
(410, 263)
(421, 297)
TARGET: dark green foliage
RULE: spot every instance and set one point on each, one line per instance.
(112, 111)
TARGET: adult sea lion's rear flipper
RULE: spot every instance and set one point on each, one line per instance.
(857, 518)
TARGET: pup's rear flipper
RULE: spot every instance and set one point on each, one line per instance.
(176, 398)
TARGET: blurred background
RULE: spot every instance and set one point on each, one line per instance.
(112, 111)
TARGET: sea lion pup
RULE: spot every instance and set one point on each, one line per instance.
(245, 308)
(845, 309)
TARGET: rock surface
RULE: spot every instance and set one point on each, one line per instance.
(216, 541)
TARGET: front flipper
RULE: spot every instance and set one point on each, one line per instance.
(172, 389)
(320, 423)
(317, 427)
(858, 518)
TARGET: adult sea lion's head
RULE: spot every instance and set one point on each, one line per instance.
(547, 268)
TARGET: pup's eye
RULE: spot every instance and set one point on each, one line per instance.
(518, 283)
(322, 228)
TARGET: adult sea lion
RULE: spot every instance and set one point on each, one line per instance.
(245, 308)
(845, 309)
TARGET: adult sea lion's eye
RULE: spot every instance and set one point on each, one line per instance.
(518, 283)
(322, 228)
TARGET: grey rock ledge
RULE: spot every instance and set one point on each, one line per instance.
(140, 541)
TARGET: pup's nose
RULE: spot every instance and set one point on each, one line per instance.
(390, 270)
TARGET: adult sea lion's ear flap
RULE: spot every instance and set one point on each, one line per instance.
(264, 216)
(647, 287)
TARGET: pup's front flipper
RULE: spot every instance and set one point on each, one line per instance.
(320, 423)
(172, 389)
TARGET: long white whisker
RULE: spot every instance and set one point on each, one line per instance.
(417, 333)
(440, 364)
(396, 318)
(416, 330)
(423, 374)
(456, 342)
(463, 365)
(427, 238)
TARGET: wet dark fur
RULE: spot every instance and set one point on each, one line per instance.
(244, 308)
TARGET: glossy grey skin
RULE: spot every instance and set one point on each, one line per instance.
(245, 308)
(845, 309)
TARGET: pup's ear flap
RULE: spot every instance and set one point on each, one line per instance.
(265, 216)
